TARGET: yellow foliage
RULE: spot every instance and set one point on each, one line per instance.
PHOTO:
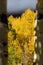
(24, 28)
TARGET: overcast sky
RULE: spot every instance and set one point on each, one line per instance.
(15, 6)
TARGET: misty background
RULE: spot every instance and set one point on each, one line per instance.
(17, 6)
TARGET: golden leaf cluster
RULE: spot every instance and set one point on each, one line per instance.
(21, 38)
